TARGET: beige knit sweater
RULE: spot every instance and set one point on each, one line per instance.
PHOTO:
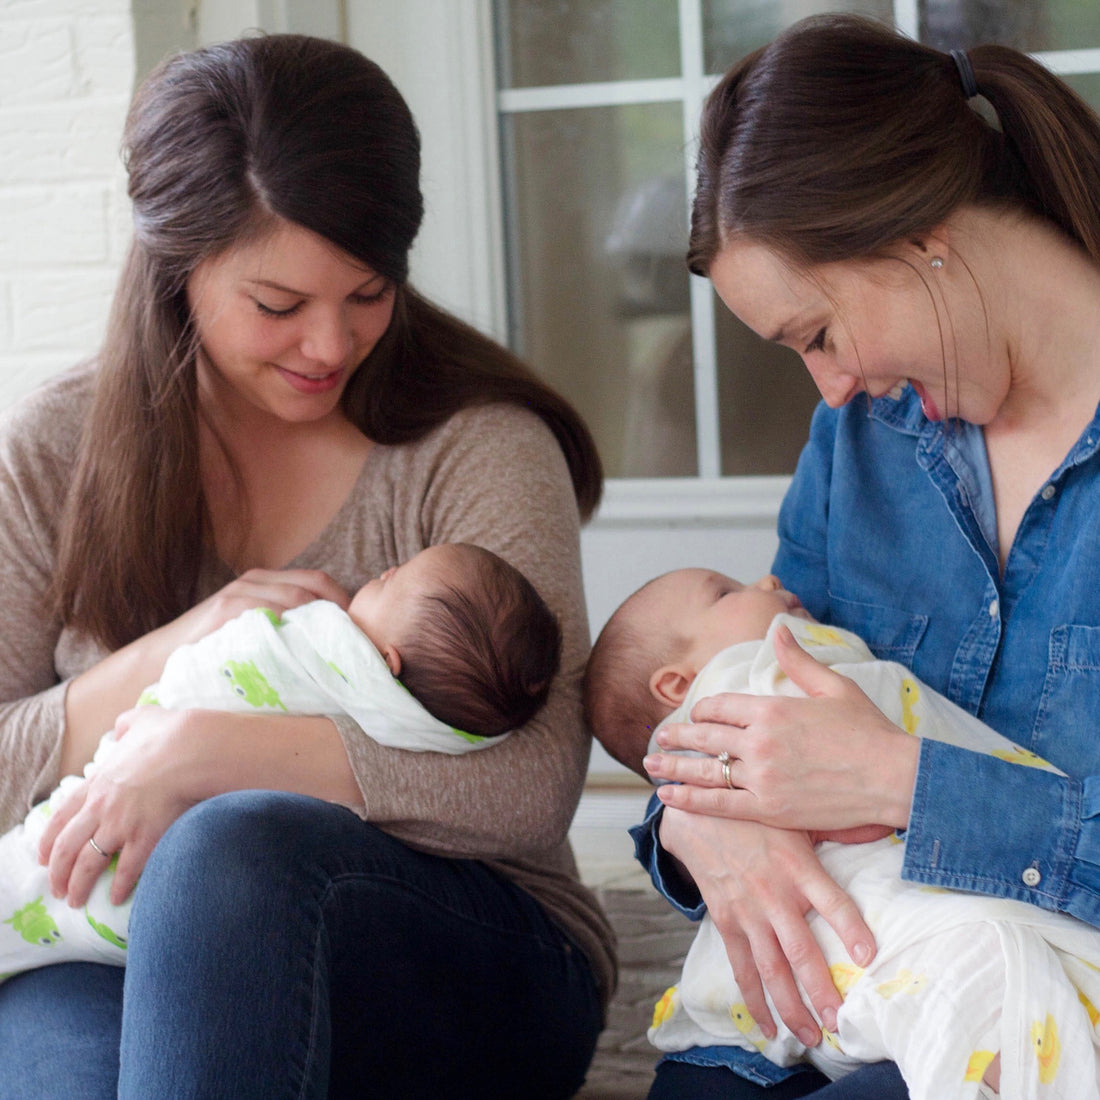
(492, 476)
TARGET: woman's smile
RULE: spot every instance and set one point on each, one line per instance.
(311, 383)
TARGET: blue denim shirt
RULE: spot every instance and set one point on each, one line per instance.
(888, 530)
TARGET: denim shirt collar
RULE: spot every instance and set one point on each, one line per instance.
(953, 453)
(906, 415)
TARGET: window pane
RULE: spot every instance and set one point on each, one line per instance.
(599, 288)
(733, 28)
(579, 41)
(765, 399)
(1028, 24)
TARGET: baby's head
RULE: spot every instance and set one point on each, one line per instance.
(654, 645)
(466, 633)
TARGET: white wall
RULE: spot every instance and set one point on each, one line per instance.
(66, 70)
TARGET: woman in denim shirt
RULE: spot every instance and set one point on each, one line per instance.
(940, 277)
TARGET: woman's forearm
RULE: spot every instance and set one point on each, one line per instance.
(216, 752)
(99, 695)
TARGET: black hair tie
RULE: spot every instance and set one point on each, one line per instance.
(966, 73)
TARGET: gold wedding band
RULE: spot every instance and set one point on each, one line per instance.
(105, 855)
(724, 760)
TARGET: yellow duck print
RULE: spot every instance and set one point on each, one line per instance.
(844, 976)
(906, 983)
(910, 694)
(1024, 757)
(1090, 1008)
(816, 634)
(739, 1014)
(1048, 1048)
(665, 1007)
(978, 1064)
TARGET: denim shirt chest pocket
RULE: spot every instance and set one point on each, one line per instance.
(1067, 720)
(891, 633)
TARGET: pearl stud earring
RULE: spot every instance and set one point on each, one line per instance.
(936, 262)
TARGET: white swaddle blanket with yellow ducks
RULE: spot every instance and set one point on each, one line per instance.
(957, 978)
(313, 660)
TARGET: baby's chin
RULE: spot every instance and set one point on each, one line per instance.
(800, 612)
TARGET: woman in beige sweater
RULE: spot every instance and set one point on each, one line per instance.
(274, 417)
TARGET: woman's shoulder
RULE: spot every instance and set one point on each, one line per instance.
(494, 420)
(40, 432)
(52, 413)
(483, 439)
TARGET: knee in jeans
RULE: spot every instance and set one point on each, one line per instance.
(232, 836)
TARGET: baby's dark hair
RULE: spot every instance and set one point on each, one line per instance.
(481, 656)
(618, 705)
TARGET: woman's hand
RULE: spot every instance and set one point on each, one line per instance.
(277, 589)
(126, 805)
(830, 761)
(758, 884)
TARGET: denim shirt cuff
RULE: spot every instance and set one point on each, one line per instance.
(680, 893)
(988, 826)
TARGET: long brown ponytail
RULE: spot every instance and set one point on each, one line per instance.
(842, 138)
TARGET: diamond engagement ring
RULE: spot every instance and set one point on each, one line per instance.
(724, 760)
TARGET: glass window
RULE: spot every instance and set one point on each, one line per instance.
(733, 28)
(600, 297)
(765, 400)
(1031, 25)
(580, 41)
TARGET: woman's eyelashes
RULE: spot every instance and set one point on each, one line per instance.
(270, 311)
(818, 342)
(356, 299)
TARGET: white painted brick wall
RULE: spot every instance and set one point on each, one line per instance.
(66, 75)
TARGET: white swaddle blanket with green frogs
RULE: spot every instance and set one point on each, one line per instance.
(313, 660)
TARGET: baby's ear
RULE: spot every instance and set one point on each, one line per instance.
(392, 659)
(670, 683)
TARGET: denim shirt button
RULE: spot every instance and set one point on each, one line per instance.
(1031, 876)
(1048, 492)
(993, 608)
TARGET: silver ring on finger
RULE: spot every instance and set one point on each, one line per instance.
(105, 855)
(724, 760)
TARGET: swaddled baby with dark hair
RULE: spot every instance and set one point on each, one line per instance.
(447, 653)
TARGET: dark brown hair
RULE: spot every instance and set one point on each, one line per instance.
(483, 653)
(218, 144)
(842, 138)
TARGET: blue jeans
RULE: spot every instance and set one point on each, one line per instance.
(681, 1081)
(281, 947)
